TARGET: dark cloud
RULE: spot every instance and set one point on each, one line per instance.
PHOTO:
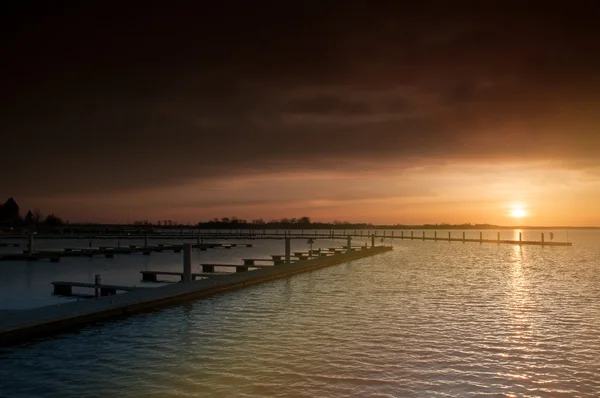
(103, 97)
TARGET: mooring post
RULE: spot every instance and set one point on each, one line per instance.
(348, 243)
(287, 250)
(146, 240)
(463, 236)
(423, 235)
(198, 238)
(373, 240)
(435, 235)
(542, 237)
(498, 236)
(187, 262)
(449, 236)
(520, 237)
(480, 237)
(30, 242)
(412, 234)
(97, 283)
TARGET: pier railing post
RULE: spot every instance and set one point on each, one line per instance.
(30, 242)
(187, 262)
(97, 283)
(287, 250)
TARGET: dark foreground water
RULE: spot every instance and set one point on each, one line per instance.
(428, 319)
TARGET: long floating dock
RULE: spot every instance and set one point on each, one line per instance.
(17, 326)
(109, 252)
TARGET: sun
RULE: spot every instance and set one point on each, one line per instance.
(518, 212)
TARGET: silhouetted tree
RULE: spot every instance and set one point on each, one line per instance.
(52, 220)
(9, 213)
(304, 220)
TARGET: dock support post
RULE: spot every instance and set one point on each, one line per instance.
(187, 263)
(402, 234)
(423, 235)
(498, 236)
(373, 240)
(30, 243)
(97, 282)
(412, 235)
(463, 236)
(520, 237)
(449, 236)
(348, 243)
(146, 241)
(542, 238)
(435, 235)
(287, 250)
(198, 238)
(480, 237)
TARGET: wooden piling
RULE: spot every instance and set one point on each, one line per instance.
(187, 263)
(287, 250)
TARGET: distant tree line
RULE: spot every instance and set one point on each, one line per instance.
(235, 222)
(10, 217)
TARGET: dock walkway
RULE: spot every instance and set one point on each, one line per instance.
(27, 324)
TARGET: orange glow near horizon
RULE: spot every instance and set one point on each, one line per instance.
(449, 193)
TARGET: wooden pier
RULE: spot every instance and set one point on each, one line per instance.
(17, 326)
(62, 288)
(198, 236)
(110, 252)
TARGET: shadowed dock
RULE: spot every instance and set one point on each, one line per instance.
(27, 324)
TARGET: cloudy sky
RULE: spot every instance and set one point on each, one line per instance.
(426, 112)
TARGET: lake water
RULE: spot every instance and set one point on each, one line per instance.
(427, 319)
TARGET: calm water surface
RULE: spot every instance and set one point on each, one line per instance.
(428, 319)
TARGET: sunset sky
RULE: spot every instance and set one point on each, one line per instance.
(429, 112)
